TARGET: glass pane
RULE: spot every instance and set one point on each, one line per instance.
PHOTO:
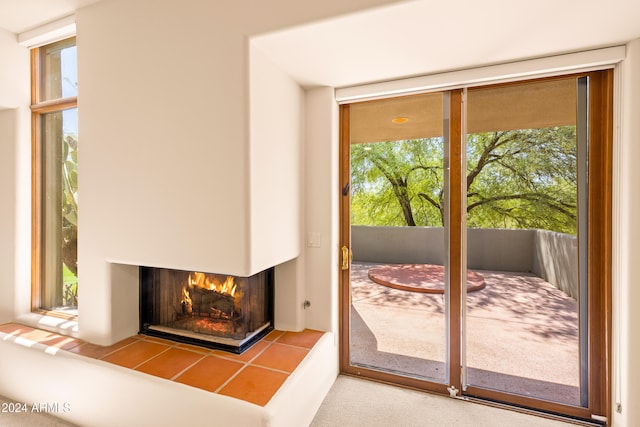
(59, 76)
(59, 226)
(522, 323)
(397, 233)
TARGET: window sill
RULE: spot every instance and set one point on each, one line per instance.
(62, 313)
(65, 325)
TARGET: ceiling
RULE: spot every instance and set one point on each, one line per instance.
(420, 37)
(17, 16)
(411, 37)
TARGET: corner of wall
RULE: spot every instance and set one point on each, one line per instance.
(289, 295)
(8, 219)
(321, 207)
(125, 300)
(626, 296)
(15, 176)
(276, 117)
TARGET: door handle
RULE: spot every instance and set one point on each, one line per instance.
(347, 256)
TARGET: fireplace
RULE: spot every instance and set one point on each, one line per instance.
(212, 310)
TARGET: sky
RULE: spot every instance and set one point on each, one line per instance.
(69, 66)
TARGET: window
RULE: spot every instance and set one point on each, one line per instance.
(54, 86)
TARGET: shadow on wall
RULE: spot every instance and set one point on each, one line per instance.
(551, 256)
(556, 260)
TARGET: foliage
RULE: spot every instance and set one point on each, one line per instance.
(387, 178)
(69, 288)
(515, 179)
(70, 219)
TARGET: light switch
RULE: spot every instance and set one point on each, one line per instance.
(313, 240)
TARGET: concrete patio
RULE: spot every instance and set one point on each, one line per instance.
(522, 334)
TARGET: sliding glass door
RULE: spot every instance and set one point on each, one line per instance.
(526, 215)
(398, 321)
(475, 239)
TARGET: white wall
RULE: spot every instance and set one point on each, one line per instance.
(15, 176)
(313, 275)
(276, 137)
(14, 72)
(180, 139)
(626, 316)
(165, 166)
(321, 210)
(164, 171)
(276, 143)
(7, 212)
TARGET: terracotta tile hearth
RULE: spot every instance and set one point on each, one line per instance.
(254, 376)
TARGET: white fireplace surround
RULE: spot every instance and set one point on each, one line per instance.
(186, 199)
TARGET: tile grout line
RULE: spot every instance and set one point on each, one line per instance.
(288, 374)
(235, 374)
(296, 346)
(245, 364)
(151, 358)
(249, 363)
(223, 356)
(185, 369)
(204, 351)
(111, 352)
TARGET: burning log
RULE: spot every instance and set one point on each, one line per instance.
(206, 302)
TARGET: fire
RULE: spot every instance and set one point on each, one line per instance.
(229, 286)
(207, 281)
(198, 279)
(207, 295)
(186, 299)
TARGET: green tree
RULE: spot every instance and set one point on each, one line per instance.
(70, 203)
(69, 253)
(388, 177)
(515, 179)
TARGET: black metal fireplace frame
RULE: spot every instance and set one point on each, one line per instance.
(147, 325)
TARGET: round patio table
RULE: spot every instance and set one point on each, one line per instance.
(425, 278)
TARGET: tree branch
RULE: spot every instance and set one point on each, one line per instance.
(534, 197)
(437, 205)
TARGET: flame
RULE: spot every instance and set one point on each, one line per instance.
(229, 286)
(206, 281)
(186, 299)
(198, 279)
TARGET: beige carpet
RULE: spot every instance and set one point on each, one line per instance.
(353, 402)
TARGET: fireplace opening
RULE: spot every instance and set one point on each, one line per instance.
(213, 310)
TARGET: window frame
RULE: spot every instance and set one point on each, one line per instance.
(38, 110)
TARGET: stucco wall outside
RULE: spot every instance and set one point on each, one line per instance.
(398, 244)
(555, 259)
(500, 249)
(551, 256)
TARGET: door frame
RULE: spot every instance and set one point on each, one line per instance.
(599, 260)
